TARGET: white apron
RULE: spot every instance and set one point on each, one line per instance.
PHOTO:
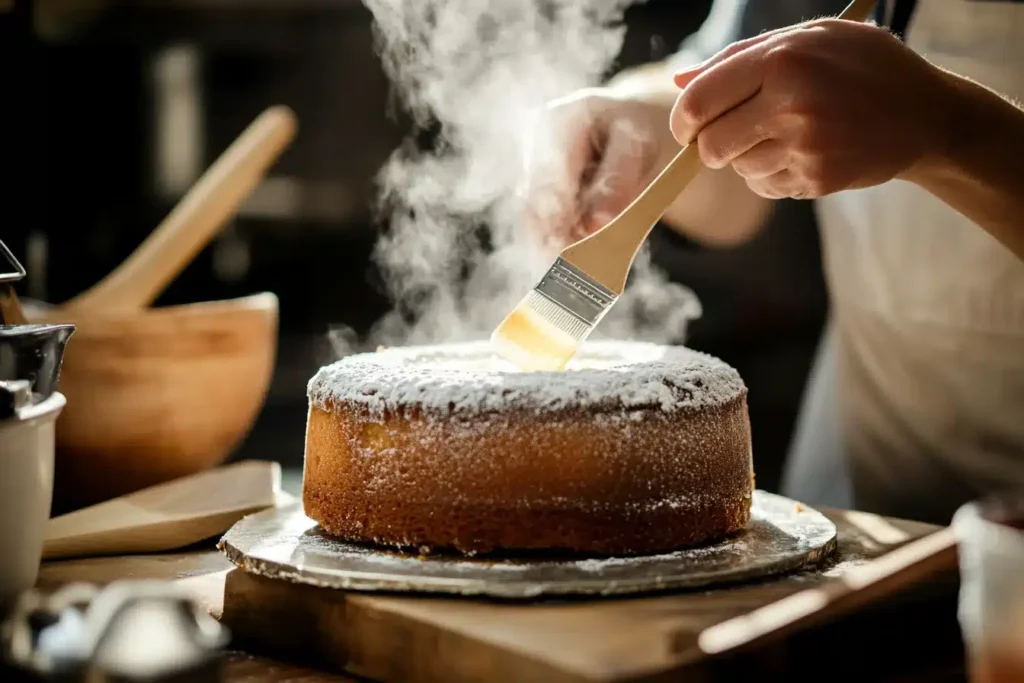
(919, 390)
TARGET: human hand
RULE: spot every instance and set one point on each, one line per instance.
(590, 154)
(809, 110)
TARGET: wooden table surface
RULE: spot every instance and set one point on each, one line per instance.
(921, 619)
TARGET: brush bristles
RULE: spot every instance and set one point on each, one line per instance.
(556, 315)
(539, 334)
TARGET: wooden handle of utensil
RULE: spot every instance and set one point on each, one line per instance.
(195, 220)
(910, 564)
(601, 255)
(858, 10)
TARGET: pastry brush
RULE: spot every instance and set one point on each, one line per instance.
(546, 328)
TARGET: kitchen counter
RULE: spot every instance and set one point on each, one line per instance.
(914, 634)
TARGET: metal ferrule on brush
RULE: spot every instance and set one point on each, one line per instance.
(571, 299)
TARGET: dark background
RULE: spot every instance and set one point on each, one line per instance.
(91, 86)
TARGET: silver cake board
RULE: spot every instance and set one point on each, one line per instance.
(282, 543)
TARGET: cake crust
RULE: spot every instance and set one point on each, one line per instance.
(656, 458)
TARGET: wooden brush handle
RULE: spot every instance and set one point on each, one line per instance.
(858, 10)
(195, 220)
(608, 254)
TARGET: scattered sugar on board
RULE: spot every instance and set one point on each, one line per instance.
(601, 564)
(385, 558)
(467, 378)
(832, 569)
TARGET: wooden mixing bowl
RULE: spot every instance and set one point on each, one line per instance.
(160, 394)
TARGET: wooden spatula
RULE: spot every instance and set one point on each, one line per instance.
(167, 516)
(193, 222)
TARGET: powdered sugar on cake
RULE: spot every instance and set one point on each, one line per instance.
(468, 378)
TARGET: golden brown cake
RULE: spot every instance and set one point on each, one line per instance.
(634, 448)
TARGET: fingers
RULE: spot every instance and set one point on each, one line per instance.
(683, 77)
(763, 160)
(779, 185)
(737, 131)
(619, 176)
(717, 90)
(743, 139)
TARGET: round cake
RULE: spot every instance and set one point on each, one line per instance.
(634, 448)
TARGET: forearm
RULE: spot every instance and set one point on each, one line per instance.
(978, 166)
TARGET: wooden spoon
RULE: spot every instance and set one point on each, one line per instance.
(167, 516)
(193, 222)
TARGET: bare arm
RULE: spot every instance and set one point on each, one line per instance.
(834, 105)
(977, 167)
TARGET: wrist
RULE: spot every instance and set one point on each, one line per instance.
(944, 124)
(969, 122)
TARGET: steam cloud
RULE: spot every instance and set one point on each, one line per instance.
(480, 70)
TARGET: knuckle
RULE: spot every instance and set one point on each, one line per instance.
(713, 151)
(784, 59)
(791, 64)
(745, 170)
(811, 190)
(814, 170)
(795, 109)
(814, 185)
(689, 109)
(680, 131)
(823, 22)
(809, 138)
(746, 167)
(762, 188)
(730, 50)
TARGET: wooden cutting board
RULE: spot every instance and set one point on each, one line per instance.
(393, 638)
